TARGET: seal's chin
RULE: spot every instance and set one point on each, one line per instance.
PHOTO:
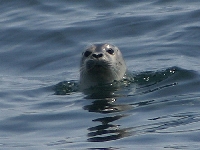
(97, 65)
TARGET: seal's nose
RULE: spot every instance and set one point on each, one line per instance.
(97, 55)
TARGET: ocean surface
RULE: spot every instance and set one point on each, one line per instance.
(41, 43)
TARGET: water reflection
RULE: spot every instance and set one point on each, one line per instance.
(105, 102)
(107, 130)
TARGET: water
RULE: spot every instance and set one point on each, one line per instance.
(41, 45)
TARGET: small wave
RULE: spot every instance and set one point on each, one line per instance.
(144, 82)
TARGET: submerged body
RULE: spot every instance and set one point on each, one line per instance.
(101, 64)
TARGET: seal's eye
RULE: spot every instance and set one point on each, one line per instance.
(110, 51)
(87, 53)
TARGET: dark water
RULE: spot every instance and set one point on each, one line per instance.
(41, 44)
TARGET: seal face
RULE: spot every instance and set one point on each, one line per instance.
(101, 64)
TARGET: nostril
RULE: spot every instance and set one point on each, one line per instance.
(97, 55)
(94, 55)
(100, 55)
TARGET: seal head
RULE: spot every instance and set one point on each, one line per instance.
(101, 64)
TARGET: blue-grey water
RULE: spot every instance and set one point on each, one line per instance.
(40, 46)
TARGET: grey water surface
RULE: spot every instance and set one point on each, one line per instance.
(41, 42)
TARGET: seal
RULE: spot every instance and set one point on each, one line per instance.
(101, 64)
